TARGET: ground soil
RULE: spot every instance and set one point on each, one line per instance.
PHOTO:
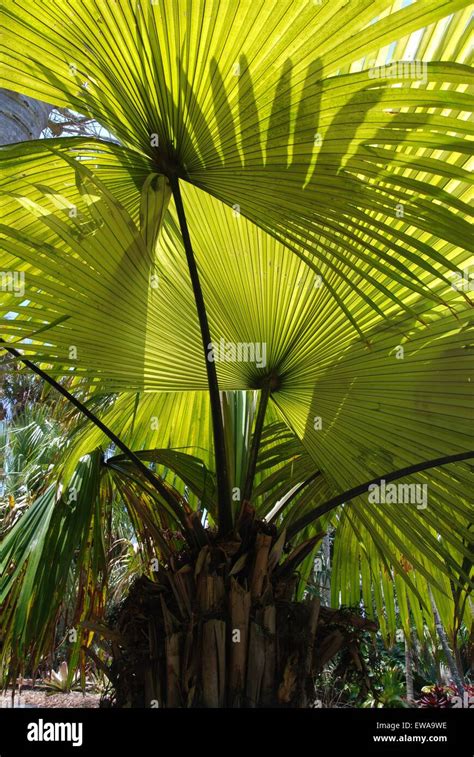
(40, 698)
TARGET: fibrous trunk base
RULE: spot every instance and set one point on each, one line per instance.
(221, 629)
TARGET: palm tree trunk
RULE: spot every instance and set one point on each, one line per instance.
(409, 673)
(221, 628)
(21, 118)
(326, 589)
(453, 669)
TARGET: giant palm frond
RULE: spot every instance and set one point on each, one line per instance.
(327, 208)
(285, 119)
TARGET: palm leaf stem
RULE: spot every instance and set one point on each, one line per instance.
(294, 494)
(148, 474)
(257, 435)
(313, 515)
(224, 507)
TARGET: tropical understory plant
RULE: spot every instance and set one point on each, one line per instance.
(259, 287)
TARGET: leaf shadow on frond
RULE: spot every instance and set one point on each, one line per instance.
(329, 205)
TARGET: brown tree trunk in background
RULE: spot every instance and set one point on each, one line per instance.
(21, 118)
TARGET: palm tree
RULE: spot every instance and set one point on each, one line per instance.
(21, 117)
(307, 202)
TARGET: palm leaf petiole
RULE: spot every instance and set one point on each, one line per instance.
(224, 506)
(147, 473)
(313, 515)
